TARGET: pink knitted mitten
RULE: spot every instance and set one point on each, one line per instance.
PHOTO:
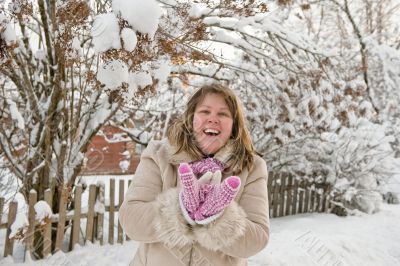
(206, 185)
(190, 188)
(202, 166)
(218, 199)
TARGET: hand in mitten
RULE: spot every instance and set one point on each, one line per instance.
(208, 184)
(190, 188)
(217, 199)
(205, 165)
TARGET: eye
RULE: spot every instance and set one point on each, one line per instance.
(224, 114)
(204, 111)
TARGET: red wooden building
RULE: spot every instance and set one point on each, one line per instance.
(115, 157)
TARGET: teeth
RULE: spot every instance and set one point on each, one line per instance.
(211, 131)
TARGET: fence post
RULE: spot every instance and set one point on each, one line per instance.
(121, 199)
(100, 215)
(328, 203)
(301, 198)
(318, 204)
(12, 214)
(47, 226)
(312, 198)
(282, 195)
(307, 196)
(31, 220)
(325, 196)
(90, 213)
(62, 209)
(289, 191)
(111, 212)
(295, 196)
(270, 192)
(129, 183)
(95, 214)
(76, 224)
(277, 184)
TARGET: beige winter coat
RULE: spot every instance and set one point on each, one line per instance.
(151, 214)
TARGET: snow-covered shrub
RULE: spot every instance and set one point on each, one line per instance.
(357, 161)
(336, 121)
(326, 134)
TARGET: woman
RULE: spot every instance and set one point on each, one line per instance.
(177, 206)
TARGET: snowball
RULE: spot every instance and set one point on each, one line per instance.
(76, 45)
(139, 115)
(367, 109)
(141, 79)
(143, 16)
(162, 72)
(314, 100)
(7, 34)
(124, 165)
(352, 118)
(15, 114)
(42, 210)
(335, 124)
(270, 123)
(198, 10)
(113, 74)
(136, 80)
(288, 130)
(129, 38)
(105, 32)
(20, 223)
(126, 154)
(41, 55)
(144, 137)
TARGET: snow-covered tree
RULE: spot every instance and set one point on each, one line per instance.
(346, 91)
(62, 78)
(305, 71)
(51, 102)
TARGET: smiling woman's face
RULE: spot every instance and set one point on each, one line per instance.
(212, 123)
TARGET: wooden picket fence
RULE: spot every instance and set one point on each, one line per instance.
(287, 196)
(93, 214)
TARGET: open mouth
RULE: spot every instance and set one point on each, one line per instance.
(211, 132)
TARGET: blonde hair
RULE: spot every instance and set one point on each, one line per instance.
(180, 133)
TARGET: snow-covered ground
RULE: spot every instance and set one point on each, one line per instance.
(306, 239)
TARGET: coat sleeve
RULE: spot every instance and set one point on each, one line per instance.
(138, 209)
(243, 229)
(149, 214)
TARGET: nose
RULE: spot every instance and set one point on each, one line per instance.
(212, 119)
